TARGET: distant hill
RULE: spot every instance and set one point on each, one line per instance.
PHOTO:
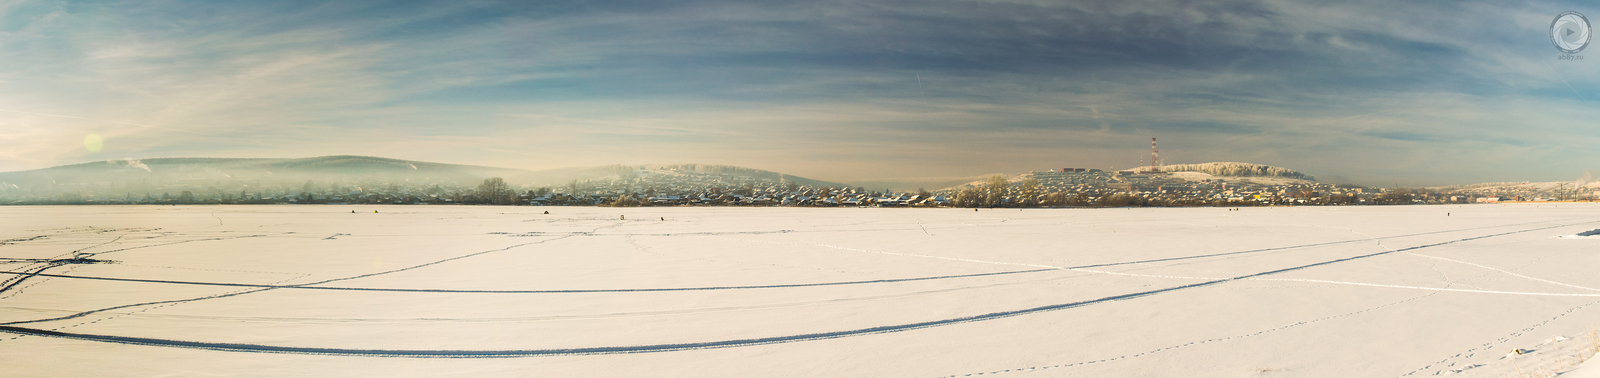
(911, 184)
(742, 172)
(1231, 172)
(605, 172)
(177, 173)
(1586, 187)
(1230, 169)
(301, 169)
(230, 172)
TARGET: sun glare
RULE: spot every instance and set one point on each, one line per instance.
(93, 142)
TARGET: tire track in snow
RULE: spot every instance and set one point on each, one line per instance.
(22, 289)
(148, 308)
(257, 348)
(1468, 353)
(54, 262)
(81, 257)
(1368, 238)
(1045, 268)
(257, 290)
(1503, 271)
(185, 241)
(434, 353)
(697, 310)
(569, 291)
(1388, 250)
(1348, 284)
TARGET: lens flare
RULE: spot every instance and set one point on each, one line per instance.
(93, 142)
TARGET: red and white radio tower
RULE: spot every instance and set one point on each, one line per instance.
(1155, 157)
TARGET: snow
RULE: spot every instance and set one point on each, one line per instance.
(838, 292)
(1591, 234)
(1589, 369)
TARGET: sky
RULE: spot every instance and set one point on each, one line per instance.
(1377, 93)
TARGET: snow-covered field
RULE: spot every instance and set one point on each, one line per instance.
(750, 292)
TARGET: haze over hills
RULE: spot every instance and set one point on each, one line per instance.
(561, 176)
(1227, 171)
(328, 179)
(1218, 172)
(365, 168)
(914, 183)
(228, 173)
(1585, 186)
(256, 169)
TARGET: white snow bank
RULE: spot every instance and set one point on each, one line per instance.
(1357, 291)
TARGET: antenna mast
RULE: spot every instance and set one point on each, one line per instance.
(1155, 157)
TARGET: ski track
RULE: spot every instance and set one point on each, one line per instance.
(1369, 238)
(148, 308)
(1466, 354)
(699, 310)
(1189, 344)
(1044, 267)
(257, 290)
(558, 291)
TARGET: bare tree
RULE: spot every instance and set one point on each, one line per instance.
(996, 188)
(1029, 191)
(969, 197)
(495, 190)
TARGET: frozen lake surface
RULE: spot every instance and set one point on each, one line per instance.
(316, 290)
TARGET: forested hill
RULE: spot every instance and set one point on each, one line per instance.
(1230, 169)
